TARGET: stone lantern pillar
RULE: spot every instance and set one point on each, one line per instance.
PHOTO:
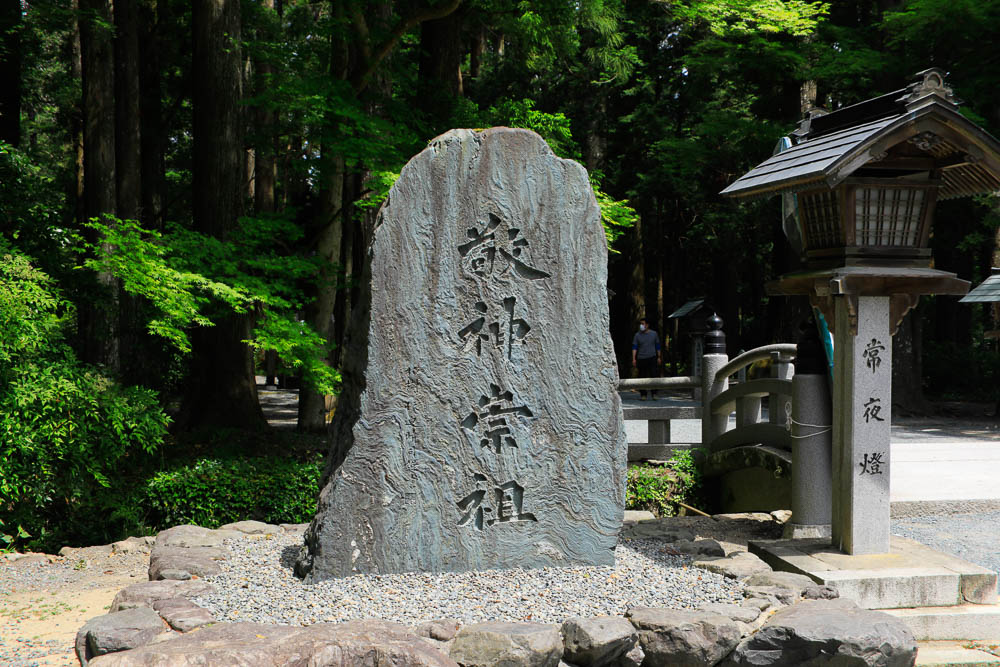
(864, 181)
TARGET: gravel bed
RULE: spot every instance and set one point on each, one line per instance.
(257, 584)
(974, 536)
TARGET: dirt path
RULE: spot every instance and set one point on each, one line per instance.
(45, 600)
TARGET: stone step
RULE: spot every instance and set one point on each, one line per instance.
(952, 654)
(959, 622)
(910, 575)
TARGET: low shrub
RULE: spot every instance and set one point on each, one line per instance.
(211, 492)
(656, 487)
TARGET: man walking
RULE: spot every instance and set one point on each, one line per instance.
(646, 356)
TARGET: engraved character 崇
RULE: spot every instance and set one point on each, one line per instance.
(497, 247)
(492, 415)
(502, 334)
(871, 354)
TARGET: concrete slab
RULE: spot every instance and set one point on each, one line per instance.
(963, 622)
(952, 654)
(910, 575)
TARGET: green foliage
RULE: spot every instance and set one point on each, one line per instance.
(616, 215)
(211, 492)
(744, 17)
(655, 487)
(66, 431)
(138, 257)
(300, 349)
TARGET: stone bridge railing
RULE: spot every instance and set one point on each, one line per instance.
(797, 428)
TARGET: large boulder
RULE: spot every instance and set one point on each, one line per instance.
(508, 644)
(599, 641)
(479, 424)
(737, 565)
(167, 562)
(188, 535)
(681, 638)
(118, 631)
(330, 645)
(182, 614)
(144, 594)
(828, 632)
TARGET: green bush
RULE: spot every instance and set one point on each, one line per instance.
(67, 432)
(211, 492)
(655, 487)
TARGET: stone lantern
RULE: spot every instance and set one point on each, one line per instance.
(860, 187)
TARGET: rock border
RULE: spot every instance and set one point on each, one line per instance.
(155, 621)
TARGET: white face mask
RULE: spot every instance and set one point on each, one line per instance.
(642, 327)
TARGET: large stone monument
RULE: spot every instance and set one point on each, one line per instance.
(479, 426)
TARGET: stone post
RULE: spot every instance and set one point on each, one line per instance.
(812, 436)
(783, 369)
(861, 428)
(715, 357)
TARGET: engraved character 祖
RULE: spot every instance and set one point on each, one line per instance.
(509, 500)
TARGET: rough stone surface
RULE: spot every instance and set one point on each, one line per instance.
(700, 547)
(441, 629)
(340, 645)
(508, 644)
(666, 528)
(732, 611)
(148, 592)
(169, 562)
(738, 565)
(677, 638)
(119, 631)
(828, 632)
(598, 641)
(633, 658)
(131, 545)
(192, 536)
(820, 593)
(790, 580)
(479, 426)
(181, 614)
(252, 528)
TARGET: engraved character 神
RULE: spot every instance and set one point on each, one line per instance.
(492, 415)
(502, 333)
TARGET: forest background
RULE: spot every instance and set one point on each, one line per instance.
(187, 190)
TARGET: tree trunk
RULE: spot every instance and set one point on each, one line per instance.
(76, 194)
(10, 71)
(128, 173)
(99, 318)
(907, 365)
(153, 170)
(265, 124)
(222, 391)
(440, 70)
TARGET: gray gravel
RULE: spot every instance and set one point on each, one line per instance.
(956, 528)
(257, 584)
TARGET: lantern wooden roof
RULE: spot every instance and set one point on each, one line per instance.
(905, 133)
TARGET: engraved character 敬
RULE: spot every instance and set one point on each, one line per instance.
(497, 248)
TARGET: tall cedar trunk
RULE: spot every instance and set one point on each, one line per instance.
(76, 122)
(10, 72)
(128, 172)
(221, 390)
(907, 365)
(440, 71)
(265, 127)
(99, 316)
(153, 168)
(330, 221)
